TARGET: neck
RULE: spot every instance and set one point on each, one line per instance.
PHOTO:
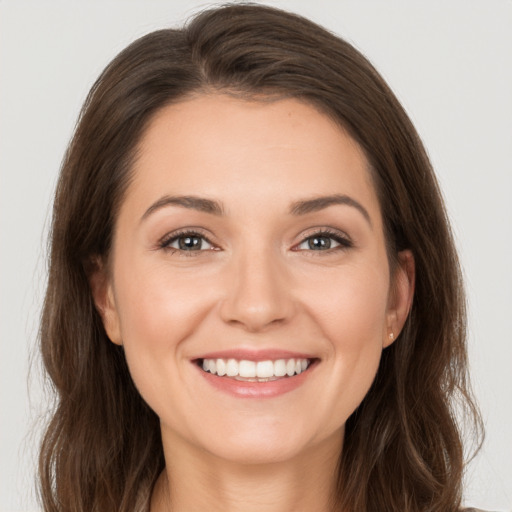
(197, 482)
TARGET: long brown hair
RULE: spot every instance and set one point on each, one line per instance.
(102, 449)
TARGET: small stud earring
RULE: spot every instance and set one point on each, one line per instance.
(391, 336)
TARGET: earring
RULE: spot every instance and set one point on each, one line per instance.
(391, 336)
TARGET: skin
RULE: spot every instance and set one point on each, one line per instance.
(256, 284)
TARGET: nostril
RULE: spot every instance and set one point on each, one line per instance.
(259, 297)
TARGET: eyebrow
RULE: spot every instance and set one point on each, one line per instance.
(302, 207)
(192, 202)
(319, 203)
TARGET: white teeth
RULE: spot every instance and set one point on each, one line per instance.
(264, 369)
(280, 367)
(246, 369)
(231, 368)
(221, 367)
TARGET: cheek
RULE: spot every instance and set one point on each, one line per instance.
(350, 309)
(350, 305)
(158, 311)
(158, 307)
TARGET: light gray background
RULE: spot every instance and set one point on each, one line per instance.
(449, 63)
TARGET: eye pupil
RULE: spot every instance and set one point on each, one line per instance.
(190, 243)
(317, 243)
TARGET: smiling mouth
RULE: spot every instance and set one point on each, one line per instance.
(255, 371)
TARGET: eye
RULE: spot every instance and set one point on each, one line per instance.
(186, 242)
(324, 241)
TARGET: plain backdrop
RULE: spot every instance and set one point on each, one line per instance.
(449, 62)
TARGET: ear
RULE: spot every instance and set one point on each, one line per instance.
(100, 282)
(400, 297)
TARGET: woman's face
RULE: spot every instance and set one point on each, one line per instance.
(250, 242)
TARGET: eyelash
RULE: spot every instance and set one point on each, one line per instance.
(343, 241)
(173, 237)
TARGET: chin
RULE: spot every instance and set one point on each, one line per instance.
(258, 450)
(267, 441)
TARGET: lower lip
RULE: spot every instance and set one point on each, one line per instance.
(269, 389)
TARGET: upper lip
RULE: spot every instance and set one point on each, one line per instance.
(255, 354)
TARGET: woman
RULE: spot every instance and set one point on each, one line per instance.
(254, 301)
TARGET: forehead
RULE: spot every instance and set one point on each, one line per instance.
(230, 148)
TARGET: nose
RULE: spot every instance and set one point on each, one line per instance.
(258, 293)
